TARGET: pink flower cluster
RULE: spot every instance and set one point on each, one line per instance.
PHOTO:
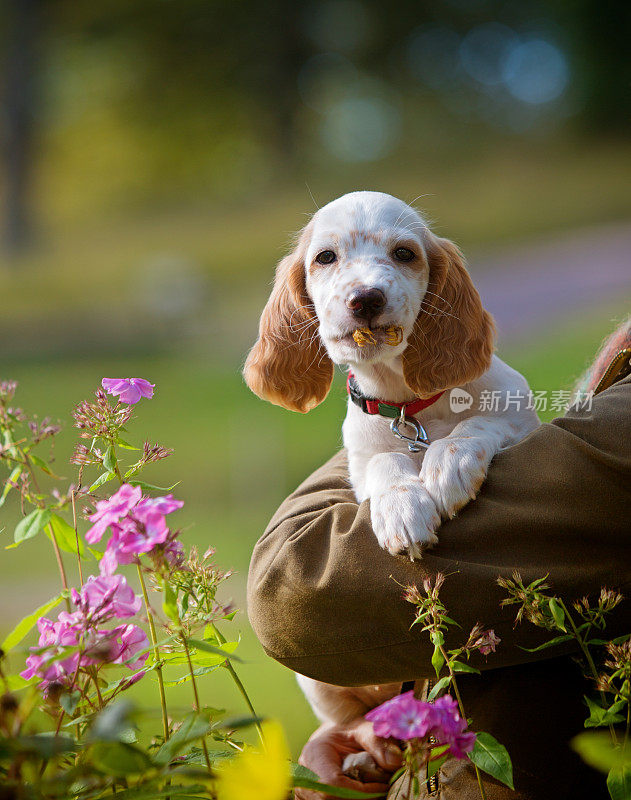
(404, 717)
(77, 639)
(80, 636)
(138, 526)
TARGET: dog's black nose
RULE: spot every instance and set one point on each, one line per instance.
(366, 303)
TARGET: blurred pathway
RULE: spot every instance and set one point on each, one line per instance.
(529, 285)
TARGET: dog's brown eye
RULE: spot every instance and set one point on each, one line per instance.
(325, 257)
(403, 254)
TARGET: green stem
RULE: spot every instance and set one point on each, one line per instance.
(76, 533)
(117, 468)
(60, 564)
(590, 661)
(58, 556)
(152, 627)
(156, 655)
(240, 686)
(195, 695)
(454, 683)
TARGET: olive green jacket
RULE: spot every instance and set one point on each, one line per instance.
(326, 601)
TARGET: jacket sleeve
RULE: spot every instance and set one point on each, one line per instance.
(326, 600)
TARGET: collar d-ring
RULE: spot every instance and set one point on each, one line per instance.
(419, 440)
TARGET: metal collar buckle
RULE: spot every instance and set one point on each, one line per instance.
(420, 439)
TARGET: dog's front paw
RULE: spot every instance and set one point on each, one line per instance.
(453, 471)
(405, 517)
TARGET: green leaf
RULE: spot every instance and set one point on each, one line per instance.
(437, 660)
(104, 478)
(8, 484)
(45, 745)
(551, 643)
(42, 464)
(66, 536)
(169, 604)
(597, 750)
(199, 658)
(109, 459)
(617, 640)
(194, 726)
(30, 526)
(26, 624)
(69, 702)
(600, 717)
(122, 443)
(437, 638)
(438, 687)
(17, 682)
(619, 783)
(492, 757)
(120, 759)
(438, 756)
(113, 723)
(460, 666)
(196, 672)
(306, 779)
(199, 644)
(149, 487)
(558, 615)
(238, 723)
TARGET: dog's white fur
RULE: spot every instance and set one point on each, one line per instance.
(447, 342)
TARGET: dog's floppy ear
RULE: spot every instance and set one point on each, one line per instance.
(288, 365)
(453, 338)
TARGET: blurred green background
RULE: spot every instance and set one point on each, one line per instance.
(158, 155)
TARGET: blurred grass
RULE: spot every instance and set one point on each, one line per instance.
(237, 458)
(477, 192)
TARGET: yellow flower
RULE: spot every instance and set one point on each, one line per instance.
(257, 773)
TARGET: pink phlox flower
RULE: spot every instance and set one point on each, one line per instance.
(137, 523)
(132, 680)
(174, 553)
(131, 538)
(462, 744)
(120, 645)
(54, 637)
(133, 641)
(488, 642)
(128, 390)
(404, 717)
(163, 505)
(447, 716)
(110, 511)
(105, 597)
(449, 727)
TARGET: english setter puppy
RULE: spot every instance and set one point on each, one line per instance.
(369, 286)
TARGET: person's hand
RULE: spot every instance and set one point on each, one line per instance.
(327, 748)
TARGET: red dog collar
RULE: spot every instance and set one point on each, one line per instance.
(386, 408)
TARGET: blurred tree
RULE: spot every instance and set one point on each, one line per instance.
(599, 33)
(197, 86)
(21, 99)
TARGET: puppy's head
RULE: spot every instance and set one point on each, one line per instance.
(368, 261)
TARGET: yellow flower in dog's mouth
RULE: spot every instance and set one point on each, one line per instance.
(393, 336)
(364, 336)
(258, 773)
